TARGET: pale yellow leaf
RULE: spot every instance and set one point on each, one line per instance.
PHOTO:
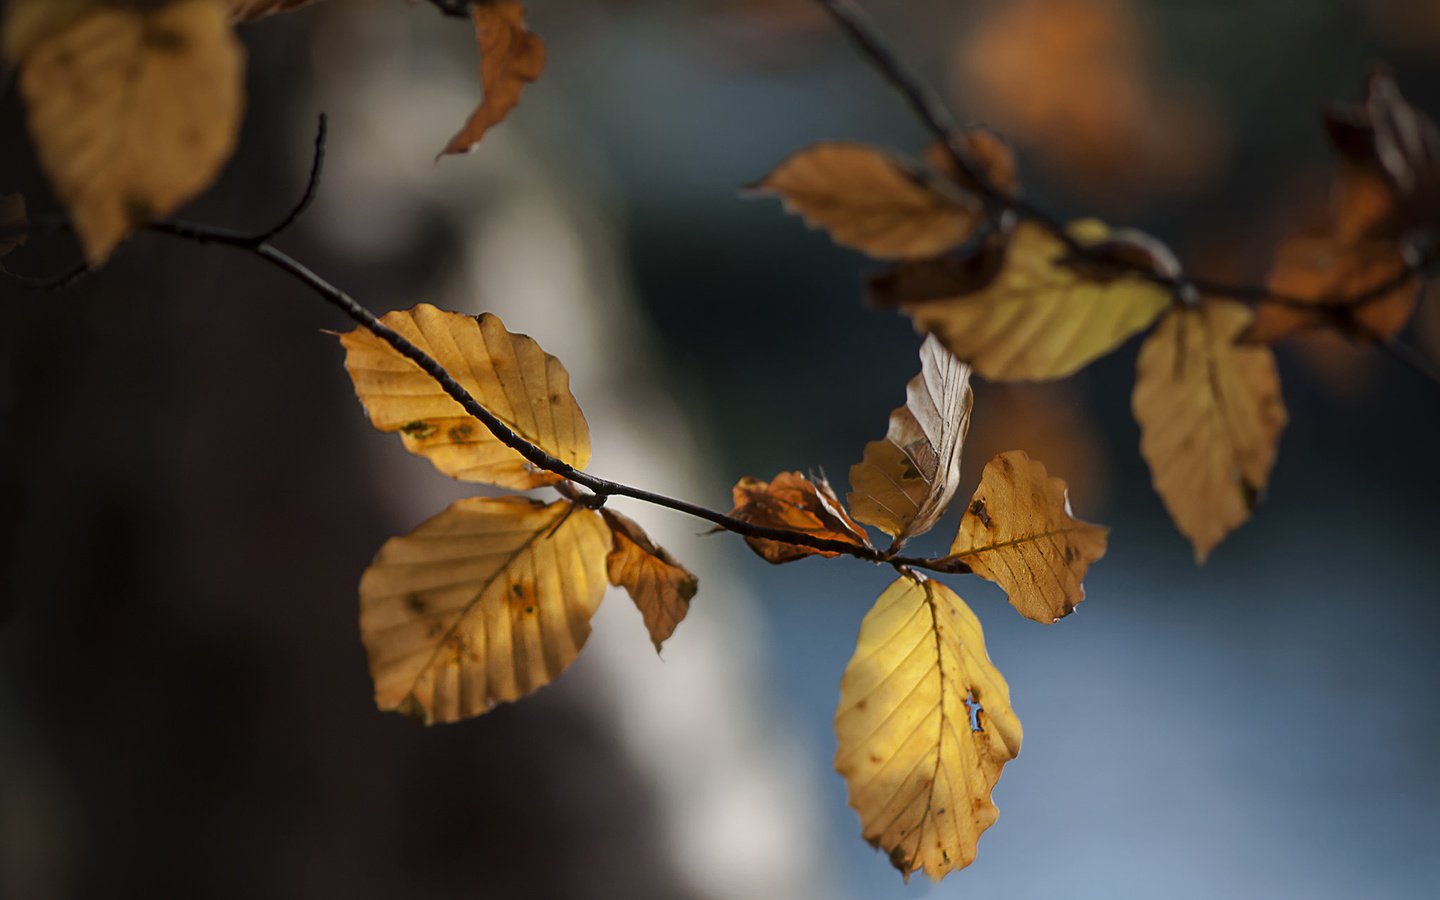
(796, 503)
(133, 112)
(1210, 415)
(1040, 315)
(484, 603)
(511, 56)
(508, 374)
(904, 483)
(249, 10)
(871, 201)
(1019, 533)
(919, 769)
(660, 586)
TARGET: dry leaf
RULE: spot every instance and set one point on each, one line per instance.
(924, 728)
(484, 603)
(510, 58)
(871, 201)
(1210, 415)
(12, 213)
(508, 374)
(250, 10)
(795, 502)
(1029, 312)
(1019, 533)
(133, 112)
(660, 586)
(985, 149)
(904, 483)
(1326, 270)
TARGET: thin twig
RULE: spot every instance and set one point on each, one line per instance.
(455, 9)
(312, 186)
(46, 282)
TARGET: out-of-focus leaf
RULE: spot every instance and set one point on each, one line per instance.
(660, 586)
(924, 728)
(250, 10)
(872, 201)
(508, 374)
(30, 22)
(511, 56)
(795, 502)
(986, 150)
(12, 213)
(1210, 415)
(1019, 533)
(484, 603)
(133, 112)
(904, 483)
(1327, 270)
(1029, 311)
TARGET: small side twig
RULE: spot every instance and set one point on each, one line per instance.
(312, 186)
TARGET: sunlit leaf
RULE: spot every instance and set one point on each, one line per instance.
(904, 483)
(1027, 310)
(484, 603)
(508, 374)
(924, 728)
(133, 112)
(249, 10)
(1019, 533)
(872, 201)
(1210, 415)
(510, 57)
(794, 502)
(660, 586)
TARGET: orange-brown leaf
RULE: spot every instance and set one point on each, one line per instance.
(1327, 271)
(133, 112)
(507, 373)
(484, 603)
(1019, 533)
(794, 502)
(1210, 415)
(986, 150)
(511, 56)
(660, 586)
(872, 201)
(904, 483)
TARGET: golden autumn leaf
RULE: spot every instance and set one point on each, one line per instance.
(12, 213)
(508, 374)
(904, 483)
(510, 57)
(1019, 533)
(660, 586)
(133, 112)
(1210, 415)
(29, 22)
(924, 728)
(1026, 311)
(872, 201)
(795, 502)
(250, 10)
(484, 603)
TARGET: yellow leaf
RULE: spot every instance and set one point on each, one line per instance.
(920, 769)
(1039, 315)
(484, 603)
(506, 373)
(249, 10)
(133, 112)
(660, 586)
(871, 201)
(904, 483)
(1019, 533)
(1210, 415)
(510, 58)
(794, 502)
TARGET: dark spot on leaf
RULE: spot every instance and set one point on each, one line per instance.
(162, 39)
(460, 432)
(899, 860)
(419, 430)
(977, 509)
(415, 603)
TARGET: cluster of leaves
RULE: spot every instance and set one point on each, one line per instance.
(1020, 297)
(136, 105)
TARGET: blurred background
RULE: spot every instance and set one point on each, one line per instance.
(189, 491)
